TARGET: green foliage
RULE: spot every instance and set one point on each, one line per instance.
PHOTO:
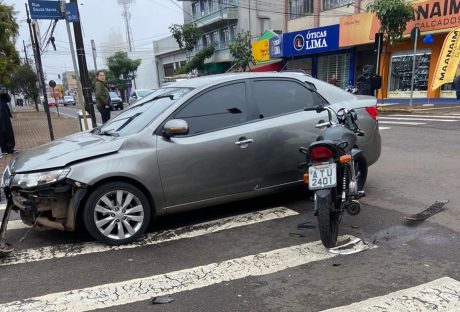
(393, 16)
(197, 61)
(241, 51)
(186, 35)
(25, 82)
(9, 57)
(121, 69)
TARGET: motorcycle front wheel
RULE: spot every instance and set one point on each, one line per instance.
(328, 219)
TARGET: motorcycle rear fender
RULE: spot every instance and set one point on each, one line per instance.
(324, 193)
(356, 152)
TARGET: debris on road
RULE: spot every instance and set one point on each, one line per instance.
(296, 235)
(162, 300)
(353, 246)
(306, 225)
(430, 211)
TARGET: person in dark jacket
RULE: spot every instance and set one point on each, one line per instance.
(457, 86)
(102, 96)
(7, 141)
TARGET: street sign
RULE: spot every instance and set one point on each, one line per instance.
(52, 84)
(71, 12)
(40, 9)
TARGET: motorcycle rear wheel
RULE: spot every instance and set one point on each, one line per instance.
(328, 220)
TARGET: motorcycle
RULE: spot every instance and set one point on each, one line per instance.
(337, 171)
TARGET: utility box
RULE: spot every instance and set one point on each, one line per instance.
(81, 121)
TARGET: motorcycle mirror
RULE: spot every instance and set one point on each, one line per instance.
(319, 109)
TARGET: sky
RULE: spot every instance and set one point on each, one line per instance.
(101, 21)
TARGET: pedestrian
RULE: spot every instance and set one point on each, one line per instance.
(102, 96)
(333, 80)
(7, 141)
(457, 86)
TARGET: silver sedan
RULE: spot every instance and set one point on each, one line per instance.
(195, 143)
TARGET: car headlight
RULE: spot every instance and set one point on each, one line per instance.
(6, 177)
(27, 180)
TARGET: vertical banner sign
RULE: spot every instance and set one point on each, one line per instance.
(448, 60)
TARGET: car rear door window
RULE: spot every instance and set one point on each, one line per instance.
(278, 97)
(218, 108)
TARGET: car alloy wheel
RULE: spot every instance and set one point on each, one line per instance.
(117, 213)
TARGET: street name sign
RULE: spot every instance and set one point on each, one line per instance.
(40, 9)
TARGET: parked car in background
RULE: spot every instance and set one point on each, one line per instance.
(199, 142)
(139, 94)
(116, 102)
(69, 100)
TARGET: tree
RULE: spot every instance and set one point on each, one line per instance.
(186, 35)
(25, 82)
(197, 61)
(241, 51)
(393, 16)
(9, 57)
(121, 70)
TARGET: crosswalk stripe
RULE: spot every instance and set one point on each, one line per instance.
(2, 207)
(425, 116)
(417, 119)
(16, 225)
(441, 295)
(120, 293)
(73, 250)
(401, 123)
(384, 128)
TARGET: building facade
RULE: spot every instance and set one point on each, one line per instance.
(356, 47)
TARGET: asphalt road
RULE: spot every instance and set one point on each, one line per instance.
(71, 111)
(250, 255)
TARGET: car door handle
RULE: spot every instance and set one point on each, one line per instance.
(244, 142)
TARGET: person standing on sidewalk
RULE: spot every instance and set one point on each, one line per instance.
(7, 141)
(102, 96)
(457, 86)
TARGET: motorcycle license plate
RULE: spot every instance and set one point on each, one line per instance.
(322, 176)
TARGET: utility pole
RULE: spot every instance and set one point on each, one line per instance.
(85, 82)
(77, 76)
(93, 48)
(41, 76)
(25, 52)
(32, 42)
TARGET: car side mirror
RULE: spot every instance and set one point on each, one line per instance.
(175, 127)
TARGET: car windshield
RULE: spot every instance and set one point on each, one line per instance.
(142, 93)
(137, 117)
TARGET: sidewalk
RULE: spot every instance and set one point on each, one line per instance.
(418, 105)
(31, 130)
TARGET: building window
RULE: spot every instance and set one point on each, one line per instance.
(233, 32)
(401, 73)
(299, 8)
(215, 39)
(196, 9)
(330, 4)
(224, 37)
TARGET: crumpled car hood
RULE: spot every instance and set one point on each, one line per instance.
(61, 152)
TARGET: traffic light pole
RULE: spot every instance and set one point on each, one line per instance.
(41, 76)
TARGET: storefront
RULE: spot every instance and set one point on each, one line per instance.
(315, 51)
(436, 17)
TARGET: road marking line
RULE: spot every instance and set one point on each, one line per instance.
(17, 225)
(73, 250)
(135, 290)
(441, 295)
(401, 123)
(424, 116)
(384, 128)
(420, 119)
(2, 207)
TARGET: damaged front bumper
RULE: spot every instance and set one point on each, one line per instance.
(53, 205)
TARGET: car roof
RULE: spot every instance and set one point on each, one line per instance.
(200, 82)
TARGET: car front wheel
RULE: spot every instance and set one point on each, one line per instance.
(116, 213)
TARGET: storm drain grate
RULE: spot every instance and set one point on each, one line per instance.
(428, 212)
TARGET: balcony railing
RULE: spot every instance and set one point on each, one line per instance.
(207, 18)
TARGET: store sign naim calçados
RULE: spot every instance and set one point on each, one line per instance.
(311, 41)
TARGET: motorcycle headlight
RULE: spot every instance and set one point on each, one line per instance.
(27, 180)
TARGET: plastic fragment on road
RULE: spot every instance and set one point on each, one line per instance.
(162, 300)
(306, 225)
(428, 212)
(353, 246)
